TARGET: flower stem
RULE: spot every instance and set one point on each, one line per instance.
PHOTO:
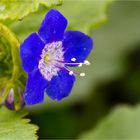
(5, 93)
(14, 43)
(17, 69)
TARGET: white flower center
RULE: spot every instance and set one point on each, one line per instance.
(51, 58)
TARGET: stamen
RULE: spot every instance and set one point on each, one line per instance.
(80, 65)
(86, 62)
(82, 74)
(71, 73)
(73, 59)
(71, 63)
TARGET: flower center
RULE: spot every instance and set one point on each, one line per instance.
(52, 60)
(46, 58)
(49, 63)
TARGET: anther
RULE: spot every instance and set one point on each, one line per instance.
(73, 59)
(80, 65)
(82, 74)
(86, 62)
(70, 72)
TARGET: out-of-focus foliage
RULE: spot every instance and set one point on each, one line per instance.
(122, 123)
(13, 126)
(17, 9)
(85, 15)
(89, 15)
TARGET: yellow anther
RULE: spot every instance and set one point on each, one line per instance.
(46, 58)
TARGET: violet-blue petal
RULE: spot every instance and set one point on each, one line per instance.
(60, 86)
(76, 45)
(30, 51)
(35, 88)
(53, 26)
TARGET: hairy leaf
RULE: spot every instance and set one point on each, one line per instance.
(13, 126)
(17, 9)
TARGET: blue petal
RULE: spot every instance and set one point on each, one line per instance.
(35, 87)
(76, 45)
(60, 86)
(53, 26)
(30, 51)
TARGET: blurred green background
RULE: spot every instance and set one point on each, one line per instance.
(113, 79)
(104, 103)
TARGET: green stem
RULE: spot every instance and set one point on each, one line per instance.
(14, 43)
(5, 93)
(17, 102)
(17, 70)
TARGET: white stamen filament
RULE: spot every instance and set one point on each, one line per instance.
(86, 62)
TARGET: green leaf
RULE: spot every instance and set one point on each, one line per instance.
(85, 15)
(13, 126)
(122, 123)
(17, 9)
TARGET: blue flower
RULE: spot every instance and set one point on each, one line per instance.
(46, 56)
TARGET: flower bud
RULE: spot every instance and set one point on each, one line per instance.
(9, 102)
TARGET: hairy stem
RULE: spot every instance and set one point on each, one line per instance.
(14, 43)
(17, 69)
